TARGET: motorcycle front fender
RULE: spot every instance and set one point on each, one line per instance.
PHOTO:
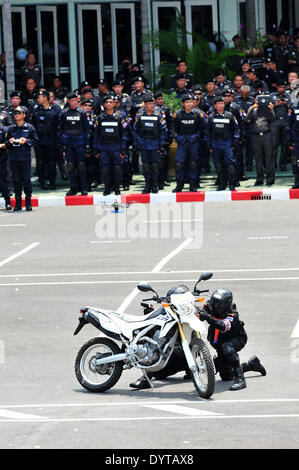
(195, 324)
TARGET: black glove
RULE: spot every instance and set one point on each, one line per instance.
(161, 150)
(205, 316)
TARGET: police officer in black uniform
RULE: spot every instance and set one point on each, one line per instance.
(208, 97)
(293, 59)
(261, 116)
(4, 184)
(29, 95)
(281, 103)
(227, 336)
(45, 119)
(245, 101)
(182, 67)
(15, 101)
(164, 161)
(91, 161)
(181, 87)
(137, 97)
(19, 139)
(30, 70)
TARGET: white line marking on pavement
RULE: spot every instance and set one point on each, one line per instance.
(19, 253)
(170, 221)
(173, 253)
(122, 308)
(150, 418)
(209, 402)
(184, 410)
(117, 273)
(295, 333)
(18, 416)
(13, 225)
(65, 283)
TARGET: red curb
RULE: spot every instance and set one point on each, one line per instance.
(190, 197)
(245, 195)
(294, 193)
(79, 200)
(34, 202)
(138, 198)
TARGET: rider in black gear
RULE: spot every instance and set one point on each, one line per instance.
(227, 335)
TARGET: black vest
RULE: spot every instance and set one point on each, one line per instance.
(149, 126)
(221, 125)
(73, 122)
(109, 128)
(187, 123)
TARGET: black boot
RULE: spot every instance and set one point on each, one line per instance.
(106, 191)
(28, 203)
(18, 206)
(254, 365)
(147, 189)
(178, 189)
(239, 381)
(296, 182)
(140, 384)
(192, 188)
(7, 204)
(155, 189)
(116, 191)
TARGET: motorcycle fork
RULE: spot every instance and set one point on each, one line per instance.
(185, 346)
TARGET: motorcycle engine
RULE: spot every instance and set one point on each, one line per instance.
(148, 354)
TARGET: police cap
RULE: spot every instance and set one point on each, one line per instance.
(187, 97)
(16, 93)
(137, 79)
(20, 109)
(180, 76)
(117, 82)
(71, 95)
(44, 93)
(281, 82)
(158, 94)
(87, 90)
(148, 98)
(89, 101)
(102, 81)
(218, 99)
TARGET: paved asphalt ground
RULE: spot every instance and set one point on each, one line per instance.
(52, 262)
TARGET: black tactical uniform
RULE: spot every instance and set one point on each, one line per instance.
(262, 119)
(45, 120)
(279, 126)
(227, 336)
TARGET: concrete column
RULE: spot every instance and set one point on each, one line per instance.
(72, 30)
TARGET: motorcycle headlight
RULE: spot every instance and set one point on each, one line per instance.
(187, 309)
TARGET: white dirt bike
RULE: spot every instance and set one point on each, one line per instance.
(147, 342)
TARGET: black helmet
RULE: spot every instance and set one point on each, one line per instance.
(177, 290)
(221, 302)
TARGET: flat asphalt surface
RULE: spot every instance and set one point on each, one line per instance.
(55, 260)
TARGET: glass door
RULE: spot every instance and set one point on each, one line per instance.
(201, 18)
(90, 43)
(123, 34)
(47, 39)
(163, 15)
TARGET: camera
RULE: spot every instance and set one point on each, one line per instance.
(16, 143)
(263, 100)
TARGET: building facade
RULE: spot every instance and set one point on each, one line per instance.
(87, 40)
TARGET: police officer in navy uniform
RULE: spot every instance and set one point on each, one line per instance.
(222, 137)
(73, 137)
(45, 119)
(221, 81)
(110, 143)
(30, 70)
(189, 128)
(208, 97)
(293, 58)
(91, 161)
(29, 95)
(245, 101)
(124, 99)
(293, 138)
(227, 336)
(137, 97)
(4, 184)
(181, 87)
(164, 161)
(20, 137)
(150, 133)
(181, 67)
(15, 101)
(281, 104)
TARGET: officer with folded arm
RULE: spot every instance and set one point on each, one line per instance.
(293, 138)
(73, 136)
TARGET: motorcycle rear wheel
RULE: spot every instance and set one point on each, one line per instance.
(204, 381)
(97, 378)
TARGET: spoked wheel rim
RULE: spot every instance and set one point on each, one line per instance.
(91, 373)
(201, 368)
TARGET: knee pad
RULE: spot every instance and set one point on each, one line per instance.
(117, 170)
(155, 167)
(179, 167)
(146, 168)
(81, 167)
(105, 171)
(70, 166)
(193, 166)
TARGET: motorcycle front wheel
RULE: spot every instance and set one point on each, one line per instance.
(97, 378)
(204, 379)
